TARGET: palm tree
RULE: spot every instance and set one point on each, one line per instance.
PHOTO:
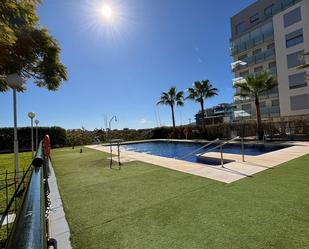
(201, 91)
(253, 87)
(172, 98)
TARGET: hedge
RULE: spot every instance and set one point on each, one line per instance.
(57, 137)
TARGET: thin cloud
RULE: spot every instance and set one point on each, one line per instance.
(197, 52)
(144, 121)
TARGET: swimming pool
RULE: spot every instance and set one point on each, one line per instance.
(180, 149)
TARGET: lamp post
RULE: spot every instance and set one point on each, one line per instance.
(31, 115)
(17, 83)
(36, 134)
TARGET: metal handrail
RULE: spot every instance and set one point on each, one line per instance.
(204, 146)
(30, 230)
(224, 143)
(221, 149)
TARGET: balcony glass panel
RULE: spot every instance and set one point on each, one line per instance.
(258, 58)
(274, 109)
(274, 92)
(253, 38)
(272, 71)
(269, 54)
(265, 111)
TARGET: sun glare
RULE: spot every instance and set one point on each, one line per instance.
(110, 20)
(107, 11)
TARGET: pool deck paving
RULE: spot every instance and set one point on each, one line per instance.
(231, 172)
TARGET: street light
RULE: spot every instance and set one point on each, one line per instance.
(31, 115)
(36, 134)
(17, 83)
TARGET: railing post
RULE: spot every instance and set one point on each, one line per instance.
(111, 155)
(7, 202)
(221, 152)
(119, 163)
(242, 149)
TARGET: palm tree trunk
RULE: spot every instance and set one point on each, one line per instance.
(203, 115)
(258, 119)
(173, 118)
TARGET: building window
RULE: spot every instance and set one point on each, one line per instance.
(295, 59)
(292, 17)
(275, 102)
(254, 18)
(294, 38)
(299, 102)
(240, 27)
(268, 11)
(258, 70)
(272, 68)
(297, 80)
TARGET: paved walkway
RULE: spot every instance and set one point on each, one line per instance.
(231, 172)
(58, 225)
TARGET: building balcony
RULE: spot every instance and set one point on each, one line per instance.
(251, 43)
(274, 93)
(276, 8)
(267, 55)
(271, 71)
(266, 112)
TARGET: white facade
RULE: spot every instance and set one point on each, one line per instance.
(294, 99)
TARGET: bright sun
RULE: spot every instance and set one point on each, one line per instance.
(107, 11)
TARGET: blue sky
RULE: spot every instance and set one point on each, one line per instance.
(120, 66)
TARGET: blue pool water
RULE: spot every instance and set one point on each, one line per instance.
(179, 149)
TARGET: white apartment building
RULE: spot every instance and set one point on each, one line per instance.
(273, 35)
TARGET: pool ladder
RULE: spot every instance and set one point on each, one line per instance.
(195, 151)
(221, 149)
(227, 142)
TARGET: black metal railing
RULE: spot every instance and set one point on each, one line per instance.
(12, 191)
(30, 226)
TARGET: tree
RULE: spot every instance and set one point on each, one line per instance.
(201, 91)
(26, 48)
(172, 98)
(253, 87)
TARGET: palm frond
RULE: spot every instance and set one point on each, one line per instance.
(180, 103)
(242, 94)
(243, 87)
(201, 90)
(256, 85)
(171, 97)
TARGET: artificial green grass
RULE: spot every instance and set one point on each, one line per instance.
(7, 165)
(7, 161)
(146, 206)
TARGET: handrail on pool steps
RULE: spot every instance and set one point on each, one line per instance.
(193, 152)
(224, 143)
